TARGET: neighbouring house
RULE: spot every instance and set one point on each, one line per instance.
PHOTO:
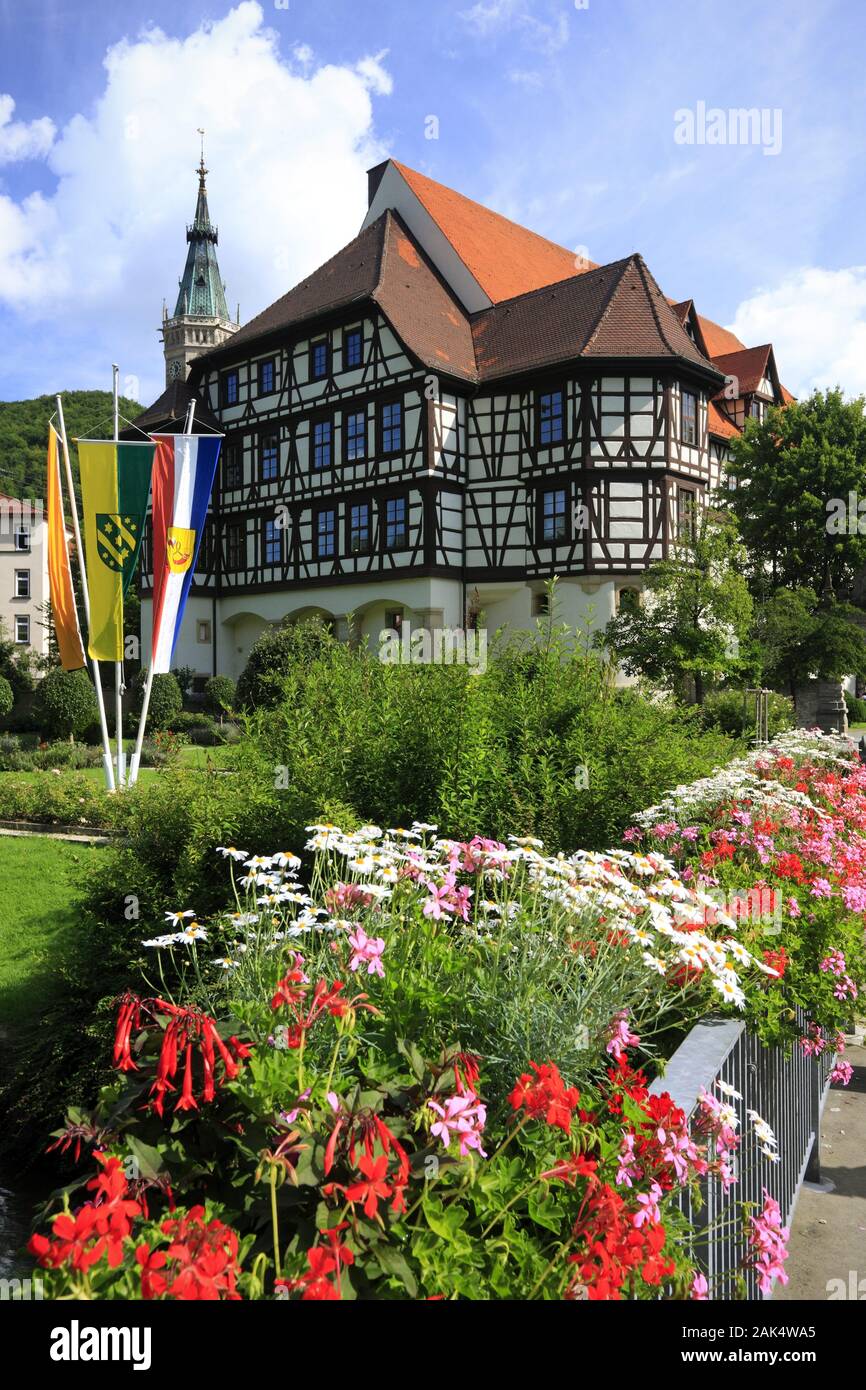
(24, 574)
(445, 414)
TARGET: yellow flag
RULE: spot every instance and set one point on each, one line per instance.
(115, 482)
(59, 573)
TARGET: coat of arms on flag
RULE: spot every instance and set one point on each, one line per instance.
(116, 539)
(180, 548)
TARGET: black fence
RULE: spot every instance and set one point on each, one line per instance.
(788, 1091)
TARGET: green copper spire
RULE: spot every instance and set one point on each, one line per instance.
(201, 293)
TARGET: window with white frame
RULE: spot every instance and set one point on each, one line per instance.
(22, 583)
(22, 629)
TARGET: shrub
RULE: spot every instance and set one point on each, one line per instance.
(279, 653)
(67, 701)
(188, 722)
(7, 699)
(733, 713)
(219, 695)
(856, 710)
(184, 675)
(166, 700)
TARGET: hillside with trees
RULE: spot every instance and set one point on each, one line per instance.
(24, 434)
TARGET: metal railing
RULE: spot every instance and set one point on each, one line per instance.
(788, 1090)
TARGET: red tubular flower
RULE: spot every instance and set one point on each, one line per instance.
(187, 1100)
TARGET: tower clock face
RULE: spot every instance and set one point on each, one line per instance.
(174, 369)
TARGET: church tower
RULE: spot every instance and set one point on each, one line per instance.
(201, 317)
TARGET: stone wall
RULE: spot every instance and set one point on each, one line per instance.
(821, 704)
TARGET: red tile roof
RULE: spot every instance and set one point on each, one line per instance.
(719, 424)
(748, 365)
(505, 258)
(718, 340)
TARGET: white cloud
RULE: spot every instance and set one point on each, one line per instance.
(288, 143)
(816, 321)
(20, 140)
(546, 35)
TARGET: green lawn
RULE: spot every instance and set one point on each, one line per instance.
(191, 755)
(36, 890)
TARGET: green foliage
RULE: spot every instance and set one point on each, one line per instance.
(856, 710)
(166, 700)
(279, 653)
(800, 638)
(7, 699)
(24, 433)
(15, 665)
(219, 695)
(733, 713)
(696, 612)
(785, 475)
(184, 675)
(67, 702)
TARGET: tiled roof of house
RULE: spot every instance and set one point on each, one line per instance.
(505, 258)
(719, 424)
(748, 365)
(718, 340)
(384, 264)
(170, 409)
(616, 310)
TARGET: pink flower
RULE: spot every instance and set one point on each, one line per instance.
(841, 1073)
(648, 1203)
(854, 897)
(768, 1244)
(700, 1288)
(821, 888)
(368, 950)
(793, 908)
(620, 1038)
(466, 1115)
(628, 1166)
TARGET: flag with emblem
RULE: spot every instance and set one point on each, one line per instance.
(183, 475)
(115, 482)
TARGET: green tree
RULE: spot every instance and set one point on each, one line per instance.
(67, 702)
(219, 695)
(800, 638)
(7, 699)
(166, 700)
(15, 665)
(278, 651)
(696, 611)
(24, 434)
(788, 485)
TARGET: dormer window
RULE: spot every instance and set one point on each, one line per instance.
(319, 360)
(550, 418)
(690, 418)
(755, 409)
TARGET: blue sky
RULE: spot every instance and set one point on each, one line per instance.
(562, 116)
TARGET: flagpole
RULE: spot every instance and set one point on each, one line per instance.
(148, 685)
(76, 531)
(118, 665)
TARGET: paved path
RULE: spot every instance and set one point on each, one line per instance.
(828, 1237)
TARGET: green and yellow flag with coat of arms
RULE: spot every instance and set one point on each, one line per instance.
(115, 483)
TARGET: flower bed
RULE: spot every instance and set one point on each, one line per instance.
(424, 1072)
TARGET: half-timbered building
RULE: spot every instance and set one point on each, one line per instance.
(444, 415)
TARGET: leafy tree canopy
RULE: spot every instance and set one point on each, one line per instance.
(696, 612)
(24, 434)
(790, 479)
